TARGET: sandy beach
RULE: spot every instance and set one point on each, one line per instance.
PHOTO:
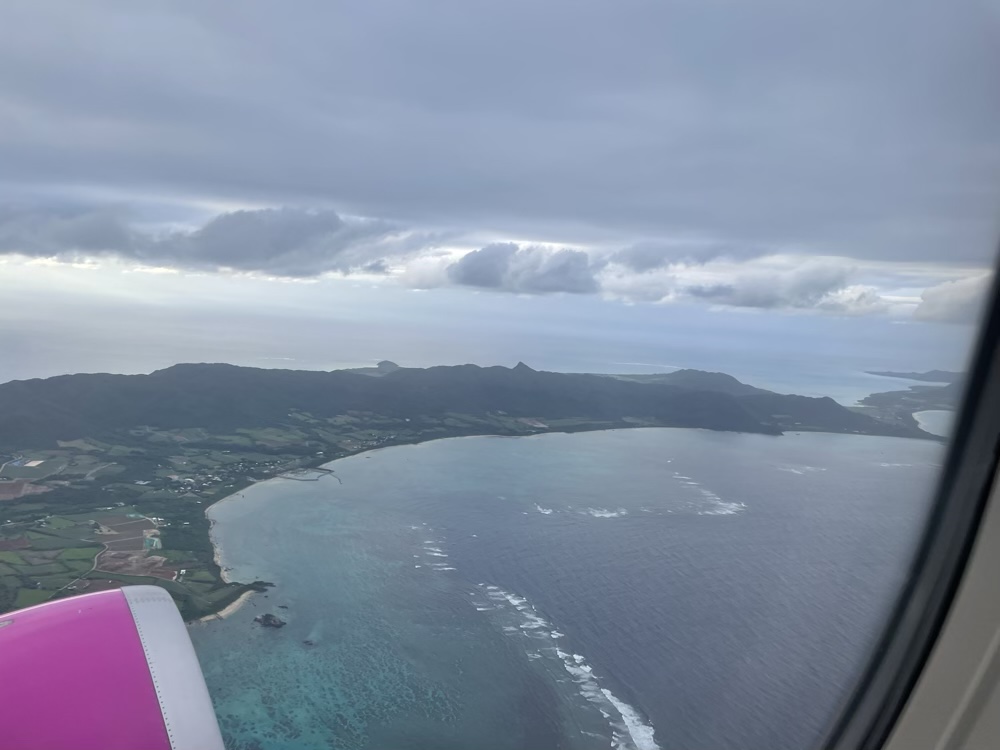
(227, 611)
(217, 552)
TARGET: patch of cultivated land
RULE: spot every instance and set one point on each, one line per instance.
(94, 525)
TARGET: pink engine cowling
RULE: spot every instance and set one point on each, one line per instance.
(113, 670)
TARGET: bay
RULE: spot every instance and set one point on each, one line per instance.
(632, 588)
(936, 421)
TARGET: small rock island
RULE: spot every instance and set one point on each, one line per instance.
(269, 621)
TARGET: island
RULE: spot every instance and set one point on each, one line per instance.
(269, 621)
(930, 376)
(898, 407)
(105, 479)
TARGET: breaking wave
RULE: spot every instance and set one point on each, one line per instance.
(628, 728)
(709, 503)
(605, 513)
(800, 470)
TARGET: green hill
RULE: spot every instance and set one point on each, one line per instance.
(221, 398)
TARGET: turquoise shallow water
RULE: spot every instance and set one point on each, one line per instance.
(636, 588)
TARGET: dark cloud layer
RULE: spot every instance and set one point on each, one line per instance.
(285, 242)
(52, 233)
(529, 270)
(559, 121)
(282, 242)
(800, 288)
(649, 256)
(301, 243)
(721, 152)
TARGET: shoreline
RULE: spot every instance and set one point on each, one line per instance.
(326, 461)
(216, 547)
(229, 609)
(939, 422)
(217, 551)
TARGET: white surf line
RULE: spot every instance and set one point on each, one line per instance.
(630, 731)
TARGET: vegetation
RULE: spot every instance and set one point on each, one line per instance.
(898, 407)
(931, 376)
(105, 479)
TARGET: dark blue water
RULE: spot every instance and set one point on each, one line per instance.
(637, 588)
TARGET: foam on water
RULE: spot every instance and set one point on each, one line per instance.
(605, 513)
(543, 511)
(640, 732)
(718, 506)
(723, 508)
(431, 549)
(711, 504)
(800, 470)
(628, 729)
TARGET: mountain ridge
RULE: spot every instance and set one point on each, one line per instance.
(220, 396)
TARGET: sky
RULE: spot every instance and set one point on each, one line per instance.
(761, 187)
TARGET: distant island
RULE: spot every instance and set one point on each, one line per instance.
(930, 376)
(104, 479)
(898, 407)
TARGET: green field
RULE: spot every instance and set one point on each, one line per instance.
(42, 541)
(44, 469)
(27, 597)
(41, 570)
(80, 445)
(56, 582)
(79, 553)
(58, 523)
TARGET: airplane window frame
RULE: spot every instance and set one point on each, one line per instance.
(961, 497)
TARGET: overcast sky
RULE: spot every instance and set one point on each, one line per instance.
(670, 161)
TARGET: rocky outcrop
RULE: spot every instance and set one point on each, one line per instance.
(269, 621)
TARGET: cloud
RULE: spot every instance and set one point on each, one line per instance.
(280, 242)
(742, 123)
(299, 243)
(649, 256)
(857, 299)
(531, 270)
(807, 286)
(487, 267)
(50, 233)
(958, 301)
(285, 242)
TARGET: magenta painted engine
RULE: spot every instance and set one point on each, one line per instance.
(113, 670)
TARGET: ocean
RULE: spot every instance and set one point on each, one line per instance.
(648, 588)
